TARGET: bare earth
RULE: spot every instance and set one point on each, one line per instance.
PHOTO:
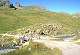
(68, 48)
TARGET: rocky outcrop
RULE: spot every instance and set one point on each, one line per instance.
(45, 29)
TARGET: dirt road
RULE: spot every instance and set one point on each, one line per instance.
(68, 48)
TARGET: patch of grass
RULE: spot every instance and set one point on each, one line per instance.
(57, 51)
(77, 41)
(35, 49)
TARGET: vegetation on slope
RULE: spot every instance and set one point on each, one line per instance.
(11, 20)
(8, 42)
(14, 19)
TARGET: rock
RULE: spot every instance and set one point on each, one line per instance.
(45, 29)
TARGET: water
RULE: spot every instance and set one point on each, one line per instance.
(2, 51)
(68, 39)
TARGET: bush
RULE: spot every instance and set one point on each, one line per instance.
(57, 51)
(35, 49)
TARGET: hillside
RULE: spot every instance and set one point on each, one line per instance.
(35, 22)
(11, 19)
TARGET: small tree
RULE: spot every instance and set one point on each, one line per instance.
(5, 3)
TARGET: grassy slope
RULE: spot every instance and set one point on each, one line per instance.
(13, 19)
